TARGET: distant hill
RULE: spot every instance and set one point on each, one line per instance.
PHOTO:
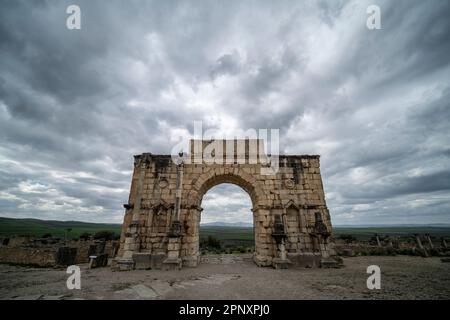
(227, 224)
(410, 225)
(403, 231)
(237, 231)
(37, 228)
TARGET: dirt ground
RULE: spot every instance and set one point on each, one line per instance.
(236, 277)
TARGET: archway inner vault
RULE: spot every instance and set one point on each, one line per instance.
(226, 221)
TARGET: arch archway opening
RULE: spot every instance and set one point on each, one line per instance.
(226, 221)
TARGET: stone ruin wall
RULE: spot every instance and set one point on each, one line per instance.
(43, 252)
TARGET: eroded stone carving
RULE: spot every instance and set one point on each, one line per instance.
(289, 184)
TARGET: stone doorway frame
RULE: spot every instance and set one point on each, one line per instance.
(211, 179)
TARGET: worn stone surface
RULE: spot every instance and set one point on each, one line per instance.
(142, 261)
(403, 277)
(65, 256)
(144, 291)
(98, 261)
(47, 252)
(294, 196)
(43, 257)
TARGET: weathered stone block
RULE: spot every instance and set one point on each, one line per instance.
(66, 256)
(305, 260)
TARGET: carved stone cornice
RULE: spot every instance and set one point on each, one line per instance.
(191, 206)
(142, 159)
(128, 206)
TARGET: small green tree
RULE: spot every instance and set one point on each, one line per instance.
(210, 243)
(348, 238)
(85, 235)
(105, 234)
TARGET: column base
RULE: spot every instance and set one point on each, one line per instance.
(122, 265)
(305, 259)
(329, 263)
(172, 264)
(278, 263)
(142, 261)
(191, 261)
(262, 261)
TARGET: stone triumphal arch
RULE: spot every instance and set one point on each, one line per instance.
(291, 221)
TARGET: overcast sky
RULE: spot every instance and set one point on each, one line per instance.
(76, 105)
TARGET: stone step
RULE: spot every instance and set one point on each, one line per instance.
(329, 263)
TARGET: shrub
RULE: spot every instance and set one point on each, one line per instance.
(106, 235)
(433, 252)
(210, 242)
(85, 235)
(391, 252)
(348, 238)
(406, 252)
(47, 235)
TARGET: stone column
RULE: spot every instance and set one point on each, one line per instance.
(281, 261)
(314, 243)
(173, 260)
(282, 247)
(421, 247)
(378, 240)
(444, 243)
(264, 251)
(429, 241)
(180, 171)
(190, 241)
(323, 245)
(418, 241)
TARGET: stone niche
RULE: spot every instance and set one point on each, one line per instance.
(162, 216)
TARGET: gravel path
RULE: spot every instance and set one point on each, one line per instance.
(236, 277)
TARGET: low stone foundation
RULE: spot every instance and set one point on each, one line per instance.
(146, 261)
(305, 260)
(51, 252)
(41, 257)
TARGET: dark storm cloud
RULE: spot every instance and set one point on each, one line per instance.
(227, 64)
(393, 186)
(76, 105)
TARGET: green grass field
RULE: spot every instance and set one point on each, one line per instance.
(37, 228)
(365, 233)
(228, 235)
(244, 236)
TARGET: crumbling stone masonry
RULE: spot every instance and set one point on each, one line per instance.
(51, 252)
(292, 225)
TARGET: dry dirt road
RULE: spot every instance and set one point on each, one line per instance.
(236, 277)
